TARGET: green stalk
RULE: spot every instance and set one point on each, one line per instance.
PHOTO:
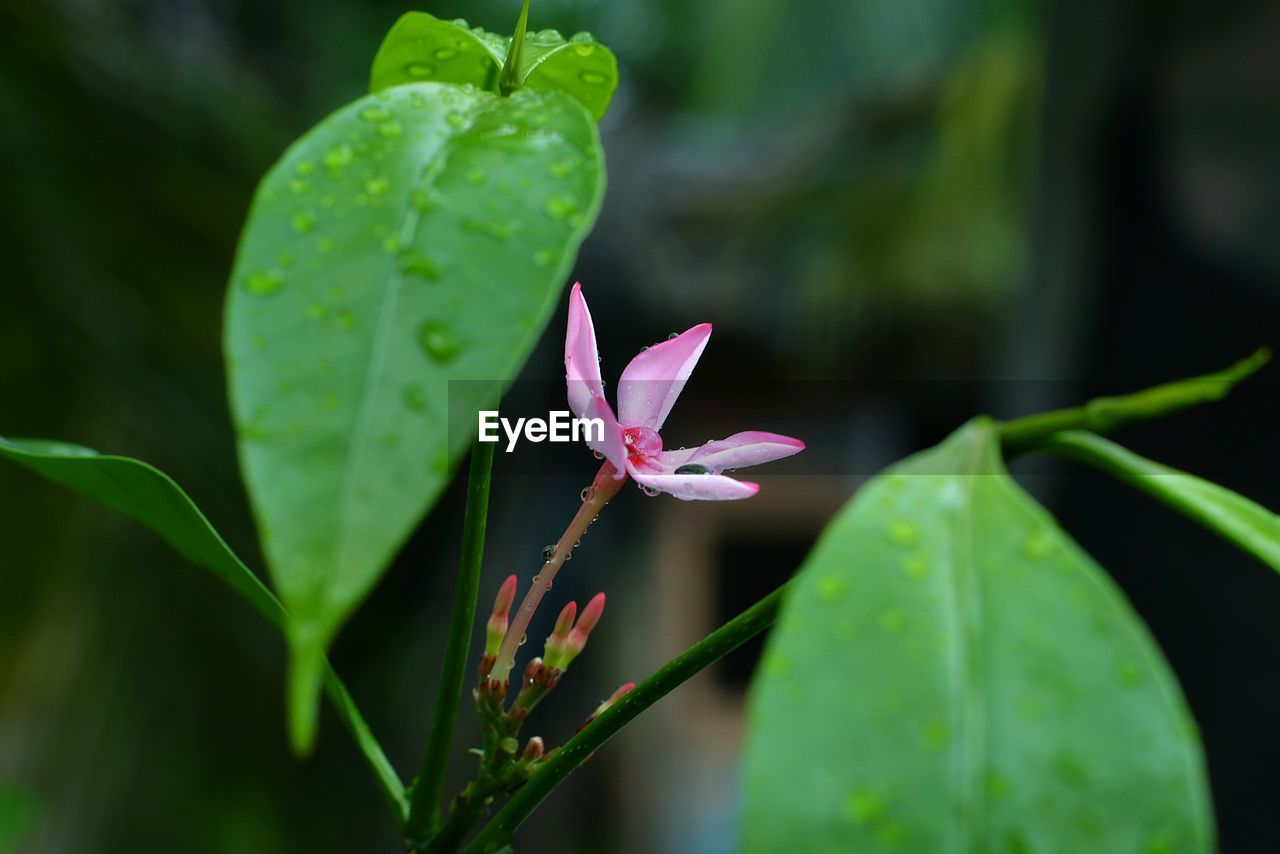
(424, 802)
(1105, 414)
(509, 80)
(710, 649)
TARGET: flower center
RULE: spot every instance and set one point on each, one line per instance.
(642, 445)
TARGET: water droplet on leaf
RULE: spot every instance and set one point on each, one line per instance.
(593, 78)
(376, 114)
(263, 283)
(419, 70)
(902, 533)
(304, 222)
(338, 157)
(414, 397)
(438, 341)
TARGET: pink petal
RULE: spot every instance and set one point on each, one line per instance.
(707, 487)
(612, 447)
(581, 358)
(749, 448)
(654, 379)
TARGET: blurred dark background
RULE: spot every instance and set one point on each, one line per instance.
(966, 206)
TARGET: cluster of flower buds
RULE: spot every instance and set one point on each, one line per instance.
(568, 639)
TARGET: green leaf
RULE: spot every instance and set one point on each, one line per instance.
(422, 47)
(953, 673)
(416, 237)
(1244, 523)
(150, 496)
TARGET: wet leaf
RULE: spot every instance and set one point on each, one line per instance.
(953, 673)
(418, 236)
(422, 47)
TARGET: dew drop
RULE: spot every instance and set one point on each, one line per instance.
(476, 176)
(392, 245)
(561, 205)
(391, 129)
(593, 78)
(832, 588)
(263, 283)
(902, 533)
(325, 244)
(673, 336)
(694, 468)
(346, 320)
(377, 186)
(892, 620)
(915, 568)
(304, 222)
(285, 259)
(414, 397)
(376, 114)
(455, 119)
(549, 35)
(548, 552)
(649, 490)
(418, 264)
(585, 494)
(438, 341)
(317, 310)
(934, 736)
(338, 157)
(1128, 672)
(544, 257)
(444, 53)
(419, 70)
(304, 167)
(298, 186)
(864, 806)
(597, 455)
(1038, 545)
(562, 168)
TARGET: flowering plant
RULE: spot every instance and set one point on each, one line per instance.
(949, 669)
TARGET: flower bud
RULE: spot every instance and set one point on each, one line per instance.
(558, 639)
(496, 629)
(577, 639)
(533, 750)
(617, 695)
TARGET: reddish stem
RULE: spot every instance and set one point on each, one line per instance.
(604, 487)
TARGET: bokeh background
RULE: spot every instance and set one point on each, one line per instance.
(897, 214)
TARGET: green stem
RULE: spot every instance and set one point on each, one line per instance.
(509, 80)
(1104, 414)
(714, 646)
(424, 805)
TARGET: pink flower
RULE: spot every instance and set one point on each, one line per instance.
(647, 391)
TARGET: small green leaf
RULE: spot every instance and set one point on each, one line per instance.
(148, 495)
(418, 236)
(1244, 523)
(422, 47)
(952, 672)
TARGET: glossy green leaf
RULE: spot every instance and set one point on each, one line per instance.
(150, 496)
(422, 47)
(1244, 523)
(418, 236)
(952, 673)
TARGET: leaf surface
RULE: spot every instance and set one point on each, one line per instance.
(953, 674)
(417, 237)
